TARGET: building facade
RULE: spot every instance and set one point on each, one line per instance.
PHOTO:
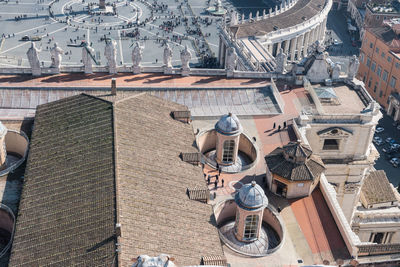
(380, 63)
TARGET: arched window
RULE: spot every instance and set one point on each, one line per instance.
(250, 227)
(229, 146)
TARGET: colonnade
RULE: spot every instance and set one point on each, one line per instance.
(296, 46)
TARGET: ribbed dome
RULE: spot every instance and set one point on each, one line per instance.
(3, 130)
(251, 196)
(228, 124)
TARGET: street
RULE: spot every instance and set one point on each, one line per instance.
(392, 173)
(337, 30)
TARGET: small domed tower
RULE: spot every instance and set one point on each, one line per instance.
(228, 135)
(3, 152)
(251, 202)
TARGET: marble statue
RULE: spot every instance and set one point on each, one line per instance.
(33, 58)
(234, 18)
(56, 57)
(353, 67)
(315, 48)
(257, 15)
(137, 55)
(231, 59)
(167, 56)
(163, 260)
(87, 53)
(110, 52)
(185, 58)
(336, 71)
(242, 20)
(250, 16)
(281, 60)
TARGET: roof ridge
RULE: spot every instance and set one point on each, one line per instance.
(129, 97)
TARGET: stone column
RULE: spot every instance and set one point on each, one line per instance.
(314, 35)
(278, 45)
(306, 43)
(269, 48)
(293, 48)
(300, 41)
(286, 49)
(323, 30)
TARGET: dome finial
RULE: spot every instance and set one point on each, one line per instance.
(253, 183)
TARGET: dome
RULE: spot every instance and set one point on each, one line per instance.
(229, 125)
(3, 130)
(251, 196)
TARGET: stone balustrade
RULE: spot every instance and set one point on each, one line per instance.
(378, 249)
(351, 240)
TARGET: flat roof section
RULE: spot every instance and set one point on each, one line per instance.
(347, 100)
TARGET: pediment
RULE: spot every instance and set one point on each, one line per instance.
(335, 132)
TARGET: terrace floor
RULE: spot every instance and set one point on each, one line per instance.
(311, 233)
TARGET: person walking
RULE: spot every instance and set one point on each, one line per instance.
(284, 124)
(279, 128)
(215, 184)
(273, 127)
(222, 181)
(208, 179)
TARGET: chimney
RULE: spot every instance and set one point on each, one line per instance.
(113, 86)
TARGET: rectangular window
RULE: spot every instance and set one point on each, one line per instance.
(371, 45)
(377, 50)
(389, 59)
(368, 62)
(331, 144)
(397, 65)
(229, 146)
(393, 82)
(380, 93)
(369, 82)
(250, 227)
(385, 75)
(373, 66)
(375, 86)
(383, 54)
(379, 71)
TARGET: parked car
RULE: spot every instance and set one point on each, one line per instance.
(377, 140)
(395, 162)
(379, 129)
(390, 140)
(387, 150)
(395, 146)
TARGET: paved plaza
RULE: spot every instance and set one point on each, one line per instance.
(151, 23)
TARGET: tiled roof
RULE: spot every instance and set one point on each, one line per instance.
(376, 188)
(289, 169)
(386, 34)
(296, 149)
(67, 209)
(156, 213)
(72, 196)
(302, 9)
